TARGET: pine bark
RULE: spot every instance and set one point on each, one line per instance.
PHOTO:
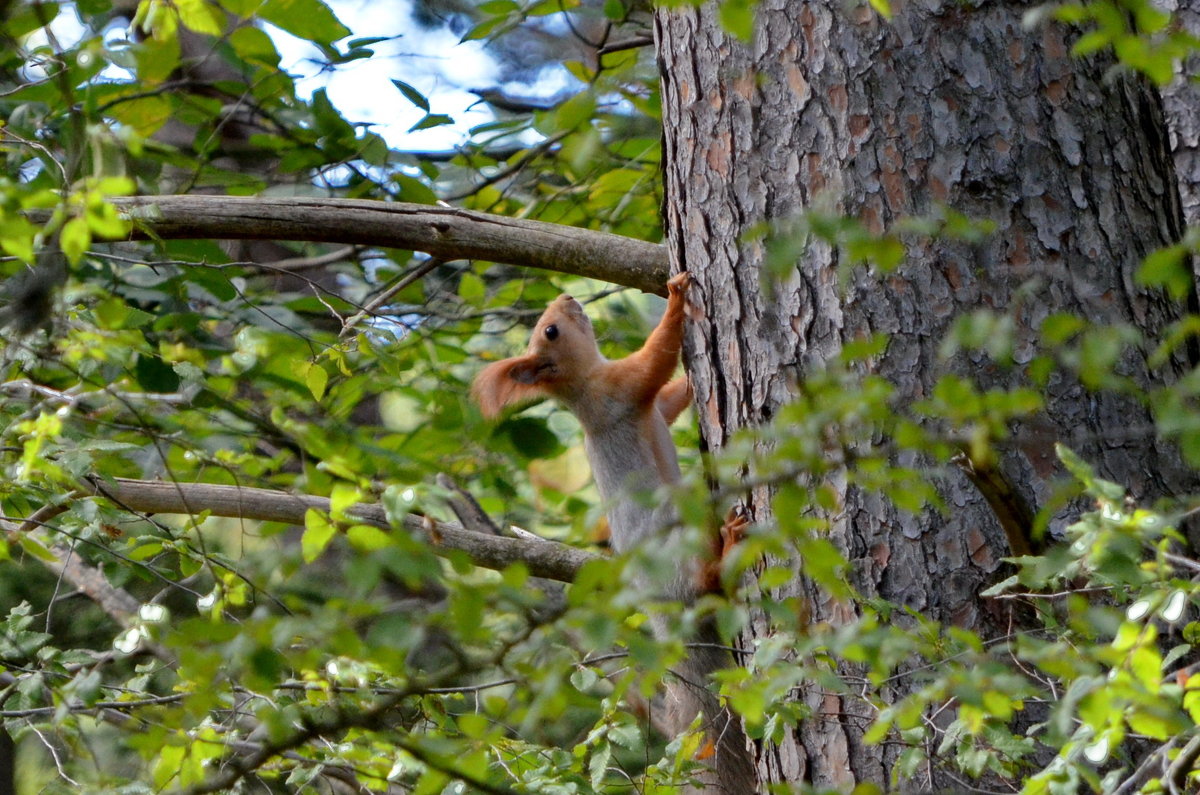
(1181, 100)
(830, 106)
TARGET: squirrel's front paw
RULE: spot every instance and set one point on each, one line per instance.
(679, 283)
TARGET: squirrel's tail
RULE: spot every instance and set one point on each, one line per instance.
(724, 750)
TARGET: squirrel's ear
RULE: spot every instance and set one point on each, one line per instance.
(506, 382)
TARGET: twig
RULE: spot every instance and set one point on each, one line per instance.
(516, 167)
(627, 44)
(467, 508)
(308, 263)
(1183, 764)
(386, 295)
(1128, 784)
(116, 602)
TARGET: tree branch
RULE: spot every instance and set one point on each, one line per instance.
(90, 581)
(548, 559)
(443, 232)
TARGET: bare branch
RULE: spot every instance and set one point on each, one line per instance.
(627, 44)
(387, 294)
(467, 509)
(443, 232)
(90, 581)
(548, 559)
(514, 168)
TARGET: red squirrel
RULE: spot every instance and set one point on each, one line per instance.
(625, 407)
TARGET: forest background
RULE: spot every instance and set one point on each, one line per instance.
(943, 343)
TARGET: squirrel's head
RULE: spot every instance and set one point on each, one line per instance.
(564, 333)
(561, 354)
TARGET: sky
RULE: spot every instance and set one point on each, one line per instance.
(432, 61)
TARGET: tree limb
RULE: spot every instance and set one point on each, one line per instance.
(90, 581)
(548, 559)
(443, 232)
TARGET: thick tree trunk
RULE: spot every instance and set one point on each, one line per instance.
(831, 106)
(8, 764)
(1182, 102)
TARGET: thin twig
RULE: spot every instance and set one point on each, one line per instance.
(386, 295)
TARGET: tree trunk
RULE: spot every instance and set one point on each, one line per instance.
(8, 764)
(831, 106)
(1182, 102)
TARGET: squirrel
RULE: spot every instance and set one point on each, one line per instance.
(625, 407)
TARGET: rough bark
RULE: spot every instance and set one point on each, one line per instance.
(443, 232)
(830, 106)
(8, 763)
(1181, 101)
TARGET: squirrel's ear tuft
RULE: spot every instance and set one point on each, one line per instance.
(506, 382)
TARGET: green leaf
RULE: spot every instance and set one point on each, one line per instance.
(737, 17)
(530, 437)
(1154, 726)
(431, 120)
(886, 252)
(215, 282)
(472, 290)
(16, 238)
(28, 17)
(1091, 42)
(1146, 664)
(254, 46)
(105, 222)
(155, 375)
(483, 29)
(307, 19)
(75, 239)
(824, 563)
(200, 16)
(1058, 328)
(318, 532)
(576, 111)
(329, 120)
(36, 548)
(412, 95)
(598, 764)
(584, 679)
(341, 498)
(1167, 268)
(414, 190)
(1191, 699)
(316, 379)
(112, 313)
(367, 538)
(145, 115)
(879, 730)
(615, 10)
(168, 765)
(1082, 471)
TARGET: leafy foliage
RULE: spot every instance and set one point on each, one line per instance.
(201, 653)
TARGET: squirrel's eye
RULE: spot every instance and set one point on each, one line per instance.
(551, 332)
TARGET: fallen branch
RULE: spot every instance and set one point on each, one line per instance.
(548, 559)
(444, 232)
